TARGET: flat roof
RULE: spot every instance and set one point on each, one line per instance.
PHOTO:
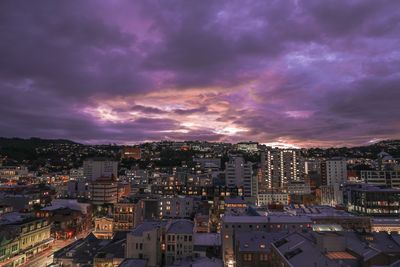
(206, 239)
(267, 219)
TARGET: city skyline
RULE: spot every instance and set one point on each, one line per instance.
(304, 74)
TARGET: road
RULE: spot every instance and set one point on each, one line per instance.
(45, 258)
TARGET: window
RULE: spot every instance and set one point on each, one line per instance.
(263, 257)
(190, 238)
(246, 257)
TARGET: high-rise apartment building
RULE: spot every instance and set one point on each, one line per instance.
(239, 173)
(280, 167)
(334, 171)
(96, 167)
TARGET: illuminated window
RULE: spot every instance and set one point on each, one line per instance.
(247, 257)
(263, 257)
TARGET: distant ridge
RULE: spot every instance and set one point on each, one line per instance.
(37, 141)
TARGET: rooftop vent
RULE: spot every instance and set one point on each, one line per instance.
(291, 254)
(280, 242)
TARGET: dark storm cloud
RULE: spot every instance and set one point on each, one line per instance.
(67, 49)
(190, 111)
(324, 72)
(145, 109)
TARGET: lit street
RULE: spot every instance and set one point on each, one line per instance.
(45, 258)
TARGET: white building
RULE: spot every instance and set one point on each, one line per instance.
(149, 239)
(179, 240)
(239, 174)
(266, 199)
(144, 242)
(281, 166)
(95, 168)
(331, 195)
(334, 171)
(249, 147)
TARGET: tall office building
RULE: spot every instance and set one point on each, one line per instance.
(333, 176)
(334, 171)
(97, 167)
(239, 173)
(280, 166)
(104, 190)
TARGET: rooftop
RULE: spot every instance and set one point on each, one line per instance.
(235, 200)
(147, 226)
(133, 263)
(257, 241)
(84, 250)
(206, 239)
(297, 248)
(372, 188)
(198, 262)
(180, 227)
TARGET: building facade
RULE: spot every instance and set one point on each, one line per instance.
(281, 166)
(334, 171)
(176, 207)
(239, 173)
(95, 168)
(104, 190)
(385, 178)
(23, 238)
(124, 216)
(372, 200)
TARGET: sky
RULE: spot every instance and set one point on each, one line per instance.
(302, 73)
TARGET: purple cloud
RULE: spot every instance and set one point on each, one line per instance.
(306, 73)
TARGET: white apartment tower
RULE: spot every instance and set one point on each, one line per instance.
(334, 171)
(281, 166)
(239, 173)
(95, 168)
